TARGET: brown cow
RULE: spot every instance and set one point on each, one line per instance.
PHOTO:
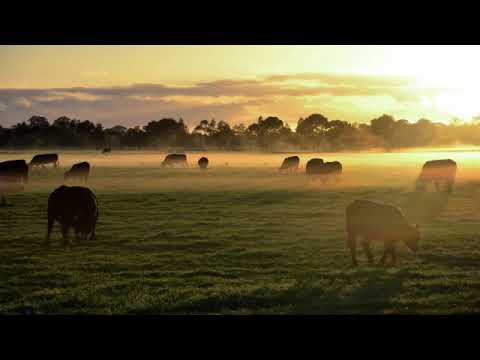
(437, 171)
(44, 159)
(173, 160)
(290, 165)
(313, 166)
(78, 171)
(372, 221)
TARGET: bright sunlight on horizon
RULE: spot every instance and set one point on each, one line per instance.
(131, 85)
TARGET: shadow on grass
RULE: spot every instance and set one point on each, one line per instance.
(450, 261)
(373, 295)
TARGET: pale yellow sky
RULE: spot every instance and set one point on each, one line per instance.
(234, 82)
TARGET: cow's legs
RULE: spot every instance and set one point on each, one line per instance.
(368, 252)
(3, 200)
(352, 244)
(386, 251)
(65, 229)
(449, 187)
(92, 236)
(393, 254)
(437, 185)
(51, 220)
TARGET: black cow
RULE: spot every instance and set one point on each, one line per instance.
(78, 171)
(203, 163)
(290, 165)
(437, 171)
(106, 150)
(44, 159)
(371, 221)
(314, 166)
(13, 175)
(73, 206)
(173, 160)
(14, 171)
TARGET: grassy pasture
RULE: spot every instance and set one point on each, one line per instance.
(240, 239)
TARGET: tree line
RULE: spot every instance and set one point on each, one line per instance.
(313, 133)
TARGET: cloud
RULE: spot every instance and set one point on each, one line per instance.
(228, 99)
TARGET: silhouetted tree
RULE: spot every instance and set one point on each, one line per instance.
(315, 132)
(312, 130)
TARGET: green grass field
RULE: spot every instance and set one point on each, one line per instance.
(240, 239)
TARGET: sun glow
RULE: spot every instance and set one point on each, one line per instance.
(448, 78)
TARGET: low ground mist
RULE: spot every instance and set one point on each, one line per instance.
(241, 239)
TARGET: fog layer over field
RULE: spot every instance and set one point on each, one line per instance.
(141, 170)
(240, 238)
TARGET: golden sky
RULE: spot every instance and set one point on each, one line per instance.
(131, 85)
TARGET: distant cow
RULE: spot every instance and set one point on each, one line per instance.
(173, 160)
(330, 170)
(78, 171)
(203, 163)
(371, 221)
(13, 175)
(73, 206)
(14, 171)
(44, 159)
(290, 164)
(313, 166)
(437, 171)
(106, 150)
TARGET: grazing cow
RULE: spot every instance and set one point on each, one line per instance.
(14, 171)
(290, 165)
(13, 175)
(378, 222)
(78, 171)
(73, 206)
(437, 171)
(203, 163)
(330, 170)
(173, 160)
(106, 150)
(44, 159)
(314, 166)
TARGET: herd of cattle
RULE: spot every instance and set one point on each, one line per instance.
(77, 207)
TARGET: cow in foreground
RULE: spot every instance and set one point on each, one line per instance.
(79, 172)
(436, 172)
(174, 160)
(370, 221)
(73, 206)
(44, 159)
(203, 163)
(13, 176)
(290, 165)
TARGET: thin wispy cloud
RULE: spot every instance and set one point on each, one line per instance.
(139, 103)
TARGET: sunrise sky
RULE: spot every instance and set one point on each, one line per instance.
(131, 85)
